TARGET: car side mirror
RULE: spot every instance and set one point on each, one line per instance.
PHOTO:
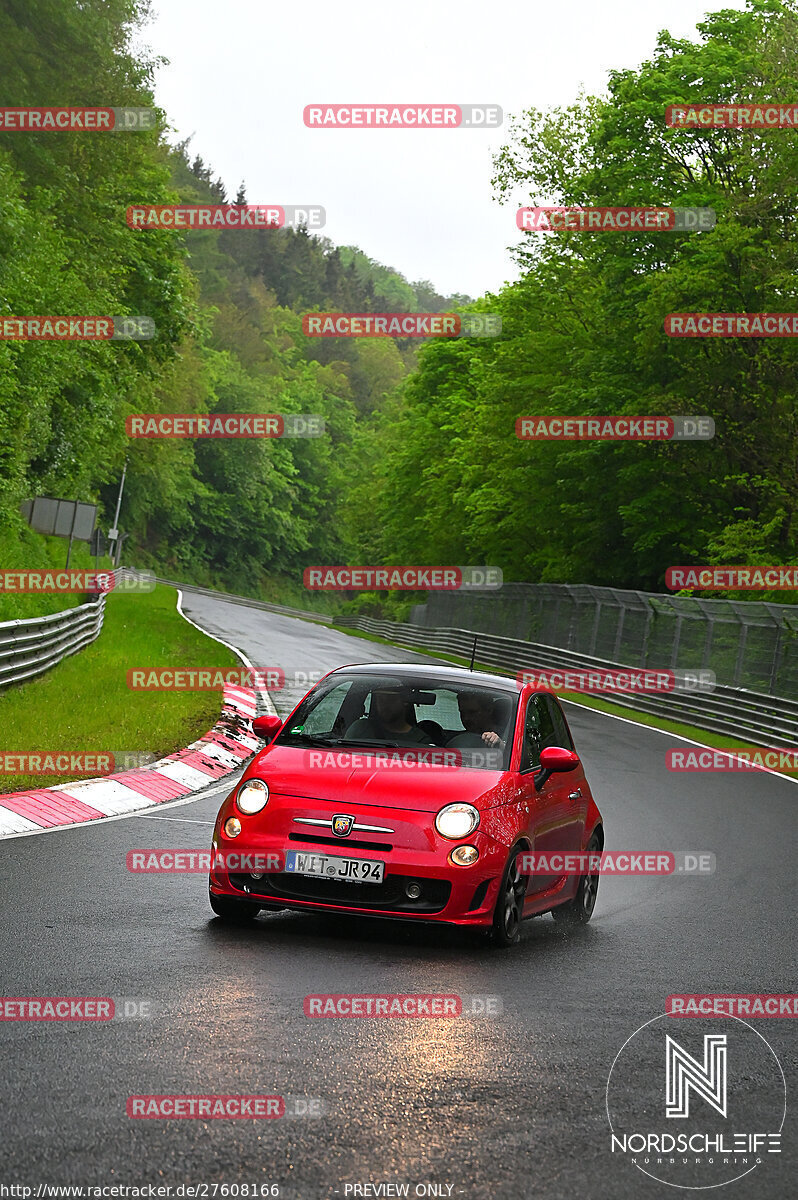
(552, 759)
(266, 727)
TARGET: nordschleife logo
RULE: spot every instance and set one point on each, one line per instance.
(700, 1109)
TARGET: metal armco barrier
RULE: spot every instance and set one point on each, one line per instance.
(30, 647)
(750, 644)
(747, 716)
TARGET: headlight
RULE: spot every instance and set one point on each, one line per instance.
(232, 827)
(252, 796)
(456, 821)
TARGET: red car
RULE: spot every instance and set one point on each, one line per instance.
(407, 791)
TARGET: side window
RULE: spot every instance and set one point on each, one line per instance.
(530, 750)
(548, 730)
(561, 734)
(540, 730)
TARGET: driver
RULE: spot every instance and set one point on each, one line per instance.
(387, 720)
(476, 713)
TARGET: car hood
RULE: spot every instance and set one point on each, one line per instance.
(289, 771)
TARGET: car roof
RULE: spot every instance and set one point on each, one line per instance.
(444, 674)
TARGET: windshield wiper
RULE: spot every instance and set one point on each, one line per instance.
(312, 740)
(318, 740)
(366, 742)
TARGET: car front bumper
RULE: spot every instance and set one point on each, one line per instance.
(413, 853)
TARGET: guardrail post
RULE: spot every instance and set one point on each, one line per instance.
(738, 666)
(708, 643)
(646, 634)
(677, 636)
(557, 607)
(619, 633)
(777, 656)
(594, 633)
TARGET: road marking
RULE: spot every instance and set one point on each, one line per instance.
(667, 733)
(180, 820)
(267, 700)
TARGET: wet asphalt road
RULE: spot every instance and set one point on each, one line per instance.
(508, 1106)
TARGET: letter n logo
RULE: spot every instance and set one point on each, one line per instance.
(683, 1072)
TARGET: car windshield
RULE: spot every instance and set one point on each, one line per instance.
(472, 723)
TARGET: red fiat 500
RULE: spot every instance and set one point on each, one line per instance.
(410, 792)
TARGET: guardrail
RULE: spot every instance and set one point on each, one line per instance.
(322, 618)
(28, 647)
(736, 712)
(749, 644)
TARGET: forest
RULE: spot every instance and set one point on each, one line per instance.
(420, 462)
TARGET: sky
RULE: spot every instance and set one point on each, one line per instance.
(420, 201)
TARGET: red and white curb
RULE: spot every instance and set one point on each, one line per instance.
(222, 750)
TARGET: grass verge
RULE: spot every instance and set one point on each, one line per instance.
(84, 704)
(24, 550)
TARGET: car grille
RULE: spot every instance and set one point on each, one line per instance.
(340, 843)
(389, 895)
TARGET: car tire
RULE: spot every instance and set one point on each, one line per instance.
(508, 913)
(235, 912)
(579, 910)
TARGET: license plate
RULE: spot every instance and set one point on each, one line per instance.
(326, 866)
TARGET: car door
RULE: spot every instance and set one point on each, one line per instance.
(553, 817)
(578, 790)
